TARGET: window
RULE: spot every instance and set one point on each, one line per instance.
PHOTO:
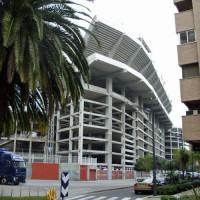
(191, 36)
(183, 38)
(19, 164)
(187, 37)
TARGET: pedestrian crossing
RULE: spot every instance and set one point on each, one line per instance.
(84, 197)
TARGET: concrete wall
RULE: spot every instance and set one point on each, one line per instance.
(190, 89)
(28, 170)
(73, 168)
(184, 21)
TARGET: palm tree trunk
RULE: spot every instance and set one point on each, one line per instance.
(4, 94)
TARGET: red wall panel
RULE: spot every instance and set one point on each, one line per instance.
(102, 174)
(129, 174)
(92, 174)
(117, 174)
(45, 171)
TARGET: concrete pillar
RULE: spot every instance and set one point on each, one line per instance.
(109, 126)
(57, 133)
(30, 150)
(134, 134)
(90, 116)
(30, 144)
(71, 133)
(80, 140)
(123, 108)
(45, 151)
(15, 140)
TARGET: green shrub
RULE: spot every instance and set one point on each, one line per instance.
(166, 190)
(177, 188)
(168, 197)
(189, 197)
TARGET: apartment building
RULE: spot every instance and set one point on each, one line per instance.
(113, 122)
(173, 140)
(187, 22)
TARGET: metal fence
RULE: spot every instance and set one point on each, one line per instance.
(41, 158)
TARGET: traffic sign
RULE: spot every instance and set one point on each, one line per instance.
(64, 184)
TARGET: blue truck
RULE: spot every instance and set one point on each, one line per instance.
(12, 168)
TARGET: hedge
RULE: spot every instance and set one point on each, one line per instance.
(177, 188)
(168, 197)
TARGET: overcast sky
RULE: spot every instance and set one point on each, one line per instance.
(154, 21)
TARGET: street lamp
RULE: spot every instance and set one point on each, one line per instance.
(154, 156)
(154, 152)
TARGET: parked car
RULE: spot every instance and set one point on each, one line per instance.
(194, 175)
(145, 185)
(161, 180)
(141, 178)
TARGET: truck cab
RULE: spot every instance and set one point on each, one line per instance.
(12, 168)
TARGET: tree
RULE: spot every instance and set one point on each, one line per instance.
(182, 156)
(42, 59)
(144, 164)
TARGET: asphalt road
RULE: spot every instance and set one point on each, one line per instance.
(76, 188)
(120, 194)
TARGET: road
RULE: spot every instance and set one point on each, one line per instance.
(120, 194)
(100, 189)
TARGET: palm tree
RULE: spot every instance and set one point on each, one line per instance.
(42, 59)
(182, 156)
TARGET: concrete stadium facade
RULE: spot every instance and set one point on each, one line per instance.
(112, 122)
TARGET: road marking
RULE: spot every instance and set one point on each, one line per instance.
(99, 198)
(85, 198)
(113, 198)
(147, 197)
(77, 197)
(126, 198)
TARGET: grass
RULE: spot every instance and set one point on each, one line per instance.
(23, 198)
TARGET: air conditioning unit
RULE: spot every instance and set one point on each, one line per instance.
(195, 112)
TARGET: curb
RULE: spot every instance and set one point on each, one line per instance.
(108, 190)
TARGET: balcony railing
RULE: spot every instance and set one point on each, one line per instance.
(191, 128)
(42, 158)
(190, 89)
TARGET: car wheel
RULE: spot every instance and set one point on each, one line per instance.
(4, 181)
(16, 183)
(136, 192)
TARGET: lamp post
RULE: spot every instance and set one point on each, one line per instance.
(154, 152)
(181, 137)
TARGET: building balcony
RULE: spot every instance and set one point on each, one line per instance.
(183, 5)
(184, 21)
(191, 128)
(190, 89)
(187, 53)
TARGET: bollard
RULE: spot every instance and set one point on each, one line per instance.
(64, 184)
(51, 194)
